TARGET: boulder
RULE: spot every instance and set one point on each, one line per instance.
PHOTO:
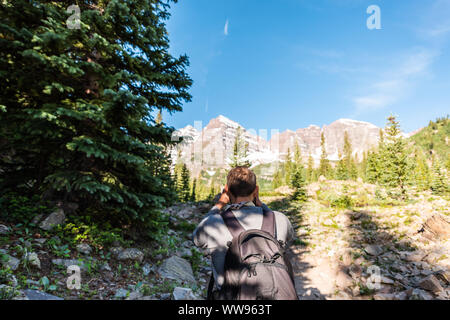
(69, 262)
(132, 254)
(417, 294)
(8, 261)
(147, 269)
(121, 294)
(3, 229)
(54, 219)
(436, 227)
(33, 259)
(84, 248)
(177, 268)
(184, 294)
(135, 295)
(373, 250)
(39, 295)
(431, 283)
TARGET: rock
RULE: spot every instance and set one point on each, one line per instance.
(343, 280)
(33, 259)
(386, 280)
(431, 283)
(373, 250)
(355, 270)
(115, 251)
(54, 219)
(41, 241)
(135, 295)
(4, 229)
(105, 267)
(417, 294)
(37, 218)
(69, 262)
(415, 257)
(184, 294)
(184, 252)
(177, 268)
(436, 227)
(39, 295)
(84, 248)
(8, 261)
(165, 296)
(131, 254)
(384, 296)
(121, 293)
(147, 269)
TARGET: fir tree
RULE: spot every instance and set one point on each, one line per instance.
(277, 179)
(421, 172)
(193, 197)
(288, 168)
(298, 183)
(77, 104)
(324, 166)
(394, 156)
(184, 187)
(239, 157)
(439, 183)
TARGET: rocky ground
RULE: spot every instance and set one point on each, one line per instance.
(380, 249)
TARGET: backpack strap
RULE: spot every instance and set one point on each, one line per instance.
(235, 228)
(232, 223)
(269, 224)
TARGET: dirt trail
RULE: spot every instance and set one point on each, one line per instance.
(372, 252)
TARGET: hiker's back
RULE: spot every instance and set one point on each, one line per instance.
(256, 267)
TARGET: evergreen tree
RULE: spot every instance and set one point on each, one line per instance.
(240, 151)
(298, 183)
(372, 173)
(184, 188)
(288, 168)
(394, 156)
(193, 197)
(277, 179)
(439, 184)
(421, 172)
(76, 104)
(324, 166)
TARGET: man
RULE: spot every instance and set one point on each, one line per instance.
(241, 195)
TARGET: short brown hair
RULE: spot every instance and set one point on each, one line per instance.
(241, 182)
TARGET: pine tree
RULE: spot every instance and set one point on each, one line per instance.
(193, 197)
(372, 173)
(324, 166)
(298, 183)
(184, 187)
(439, 183)
(239, 156)
(77, 104)
(310, 169)
(421, 172)
(288, 168)
(394, 171)
(277, 179)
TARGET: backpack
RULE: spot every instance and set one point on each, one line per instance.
(256, 267)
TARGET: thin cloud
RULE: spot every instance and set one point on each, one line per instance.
(396, 84)
(225, 29)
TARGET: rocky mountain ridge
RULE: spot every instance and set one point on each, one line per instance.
(211, 147)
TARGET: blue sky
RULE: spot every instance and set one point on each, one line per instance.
(286, 64)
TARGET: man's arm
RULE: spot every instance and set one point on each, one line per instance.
(199, 236)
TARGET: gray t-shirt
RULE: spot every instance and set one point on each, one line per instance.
(212, 233)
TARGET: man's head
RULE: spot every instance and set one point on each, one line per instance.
(241, 182)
